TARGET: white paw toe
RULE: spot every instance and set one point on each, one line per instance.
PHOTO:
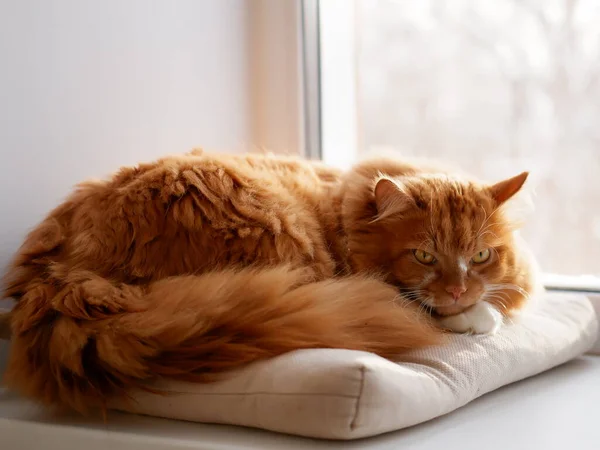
(458, 323)
(481, 318)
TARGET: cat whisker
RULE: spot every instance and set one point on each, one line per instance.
(486, 232)
(413, 291)
(501, 293)
(424, 308)
(405, 302)
(485, 218)
(497, 302)
(507, 287)
(485, 225)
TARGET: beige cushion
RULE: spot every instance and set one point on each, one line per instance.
(342, 394)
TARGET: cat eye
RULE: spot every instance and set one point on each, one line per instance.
(482, 256)
(423, 257)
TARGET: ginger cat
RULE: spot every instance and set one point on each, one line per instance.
(198, 264)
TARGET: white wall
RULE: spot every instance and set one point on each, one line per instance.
(87, 86)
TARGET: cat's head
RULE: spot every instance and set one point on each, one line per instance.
(450, 244)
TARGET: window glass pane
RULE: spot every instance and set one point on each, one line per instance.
(497, 86)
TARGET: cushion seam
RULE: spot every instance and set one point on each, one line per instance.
(358, 397)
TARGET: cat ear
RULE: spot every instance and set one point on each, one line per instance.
(391, 198)
(504, 190)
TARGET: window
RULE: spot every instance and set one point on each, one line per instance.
(496, 86)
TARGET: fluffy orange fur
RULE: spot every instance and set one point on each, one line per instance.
(195, 265)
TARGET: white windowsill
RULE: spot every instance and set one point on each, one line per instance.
(583, 283)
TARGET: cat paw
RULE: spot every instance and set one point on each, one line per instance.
(481, 318)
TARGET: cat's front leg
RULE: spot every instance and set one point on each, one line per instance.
(481, 318)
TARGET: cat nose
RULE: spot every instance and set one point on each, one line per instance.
(456, 291)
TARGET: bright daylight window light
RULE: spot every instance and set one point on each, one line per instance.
(339, 125)
(495, 87)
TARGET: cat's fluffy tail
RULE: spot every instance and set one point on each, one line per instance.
(91, 339)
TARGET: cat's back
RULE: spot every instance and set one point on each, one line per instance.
(246, 170)
(202, 211)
